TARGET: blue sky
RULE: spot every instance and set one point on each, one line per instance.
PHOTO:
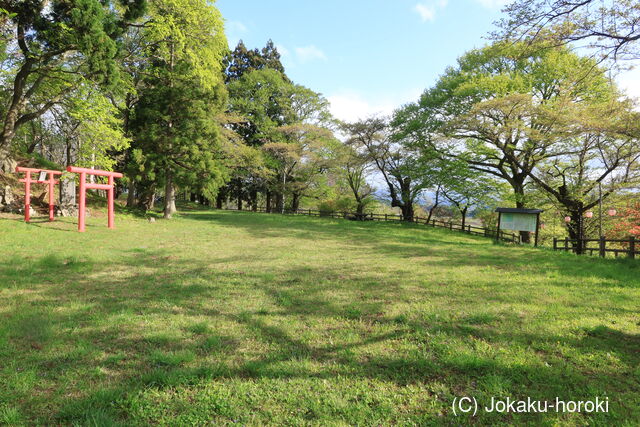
(366, 56)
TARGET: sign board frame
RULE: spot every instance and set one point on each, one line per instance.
(518, 219)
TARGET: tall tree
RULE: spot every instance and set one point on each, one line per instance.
(302, 152)
(177, 134)
(603, 158)
(399, 165)
(90, 127)
(267, 100)
(492, 109)
(262, 98)
(53, 44)
(354, 166)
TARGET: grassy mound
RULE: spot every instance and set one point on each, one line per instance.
(224, 317)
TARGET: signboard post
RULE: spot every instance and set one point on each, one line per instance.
(517, 219)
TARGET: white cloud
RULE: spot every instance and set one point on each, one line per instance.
(427, 10)
(237, 26)
(283, 51)
(309, 53)
(629, 82)
(351, 106)
(493, 4)
(427, 13)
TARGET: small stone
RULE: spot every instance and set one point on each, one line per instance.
(151, 219)
(67, 211)
(6, 195)
(32, 212)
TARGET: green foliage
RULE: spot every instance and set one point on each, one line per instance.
(267, 100)
(188, 31)
(243, 60)
(301, 155)
(261, 98)
(176, 125)
(51, 48)
(177, 134)
(503, 109)
(96, 128)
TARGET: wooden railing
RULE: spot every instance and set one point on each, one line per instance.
(582, 246)
(467, 228)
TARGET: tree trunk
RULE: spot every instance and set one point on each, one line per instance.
(146, 199)
(131, 195)
(68, 151)
(576, 230)
(463, 212)
(525, 236)
(436, 202)
(220, 199)
(7, 164)
(18, 101)
(254, 200)
(279, 202)
(407, 201)
(239, 194)
(267, 196)
(407, 212)
(295, 202)
(169, 197)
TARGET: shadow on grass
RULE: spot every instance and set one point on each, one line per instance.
(454, 248)
(87, 328)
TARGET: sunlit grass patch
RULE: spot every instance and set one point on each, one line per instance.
(220, 317)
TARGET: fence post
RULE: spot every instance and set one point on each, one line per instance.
(632, 247)
(603, 245)
(450, 225)
(566, 243)
(555, 243)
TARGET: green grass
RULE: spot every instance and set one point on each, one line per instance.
(223, 317)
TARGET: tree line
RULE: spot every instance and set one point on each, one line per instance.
(150, 88)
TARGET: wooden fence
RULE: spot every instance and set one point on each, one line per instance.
(628, 247)
(469, 229)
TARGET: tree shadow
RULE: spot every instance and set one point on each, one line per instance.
(151, 320)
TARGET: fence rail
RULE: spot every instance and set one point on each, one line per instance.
(581, 246)
(467, 228)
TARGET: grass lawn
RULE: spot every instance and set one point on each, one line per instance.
(225, 317)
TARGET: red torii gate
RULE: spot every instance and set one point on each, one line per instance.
(27, 188)
(84, 186)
